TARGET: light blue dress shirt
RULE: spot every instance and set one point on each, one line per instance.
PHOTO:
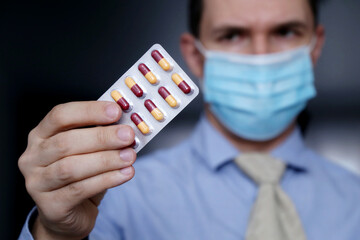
(195, 191)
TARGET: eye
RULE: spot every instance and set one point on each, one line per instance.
(286, 33)
(232, 36)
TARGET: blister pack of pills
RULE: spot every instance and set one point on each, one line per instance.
(151, 93)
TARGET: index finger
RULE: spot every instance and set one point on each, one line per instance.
(78, 114)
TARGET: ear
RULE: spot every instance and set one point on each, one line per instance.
(320, 40)
(193, 58)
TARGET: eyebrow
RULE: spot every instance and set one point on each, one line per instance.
(291, 24)
(226, 28)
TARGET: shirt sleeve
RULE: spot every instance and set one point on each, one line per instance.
(25, 232)
(104, 228)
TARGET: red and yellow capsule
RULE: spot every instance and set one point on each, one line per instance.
(120, 100)
(164, 93)
(147, 73)
(129, 81)
(152, 108)
(139, 122)
(164, 64)
(180, 82)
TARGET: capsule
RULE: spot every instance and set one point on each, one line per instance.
(147, 73)
(120, 100)
(164, 64)
(164, 93)
(134, 144)
(134, 87)
(155, 112)
(139, 122)
(180, 82)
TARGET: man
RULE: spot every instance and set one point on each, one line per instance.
(255, 60)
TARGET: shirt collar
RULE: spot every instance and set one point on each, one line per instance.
(211, 145)
(290, 150)
(216, 150)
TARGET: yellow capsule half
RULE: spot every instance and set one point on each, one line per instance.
(143, 127)
(116, 95)
(171, 101)
(164, 64)
(176, 78)
(151, 77)
(157, 114)
(129, 81)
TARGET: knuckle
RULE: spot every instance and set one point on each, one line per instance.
(56, 115)
(48, 174)
(30, 185)
(63, 172)
(105, 160)
(116, 176)
(44, 145)
(32, 135)
(22, 162)
(30, 152)
(89, 111)
(61, 144)
(109, 178)
(103, 136)
(76, 190)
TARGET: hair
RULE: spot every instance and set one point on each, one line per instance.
(196, 9)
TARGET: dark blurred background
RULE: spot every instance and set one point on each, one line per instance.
(52, 53)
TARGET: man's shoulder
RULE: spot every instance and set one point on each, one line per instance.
(334, 174)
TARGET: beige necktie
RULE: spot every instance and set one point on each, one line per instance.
(273, 216)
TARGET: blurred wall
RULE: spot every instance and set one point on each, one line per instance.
(58, 52)
(335, 127)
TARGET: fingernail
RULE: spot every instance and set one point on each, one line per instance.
(126, 171)
(111, 111)
(124, 134)
(126, 155)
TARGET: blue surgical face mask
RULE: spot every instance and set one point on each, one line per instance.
(258, 96)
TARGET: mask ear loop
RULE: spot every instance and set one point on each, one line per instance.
(312, 44)
(200, 47)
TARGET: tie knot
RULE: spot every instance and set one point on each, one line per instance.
(261, 168)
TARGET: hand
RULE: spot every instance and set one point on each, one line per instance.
(67, 167)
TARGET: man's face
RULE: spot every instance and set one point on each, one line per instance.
(251, 27)
(256, 26)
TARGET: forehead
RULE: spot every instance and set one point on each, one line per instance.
(259, 13)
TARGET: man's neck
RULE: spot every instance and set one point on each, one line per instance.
(247, 145)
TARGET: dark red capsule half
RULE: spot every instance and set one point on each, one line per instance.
(163, 92)
(136, 118)
(137, 90)
(133, 145)
(116, 95)
(149, 105)
(156, 55)
(184, 87)
(143, 69)
(130, 82)
(123, 104)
